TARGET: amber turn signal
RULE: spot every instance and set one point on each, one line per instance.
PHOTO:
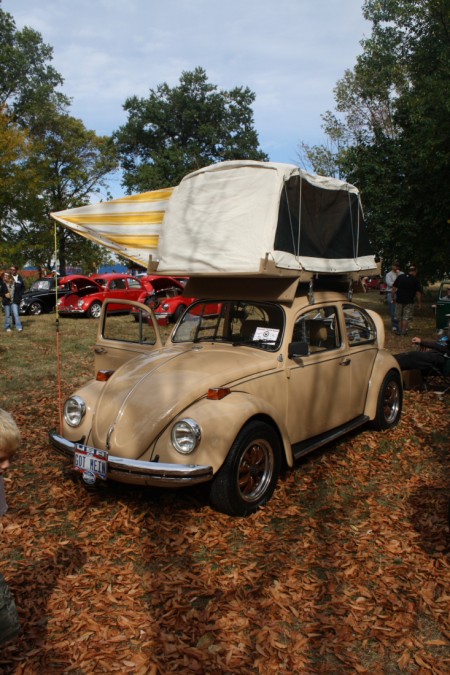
(217, 394)
(104, 375)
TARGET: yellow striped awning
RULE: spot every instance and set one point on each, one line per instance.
(129, 226)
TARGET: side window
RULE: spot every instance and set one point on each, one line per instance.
(120, 284)
(124, 326)
(319, 328)
(134, 283)
(359, 326)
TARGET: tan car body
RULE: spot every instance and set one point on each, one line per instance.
(307, 400)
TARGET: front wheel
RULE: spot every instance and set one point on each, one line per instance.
(390, 399)
(94, 310)
(250, 472)
(35, 308)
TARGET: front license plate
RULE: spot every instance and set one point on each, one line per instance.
(91, 460)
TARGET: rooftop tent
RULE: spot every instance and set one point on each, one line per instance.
(129, 226)
(260, 218)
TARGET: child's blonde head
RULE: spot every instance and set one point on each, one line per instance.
(9, 435)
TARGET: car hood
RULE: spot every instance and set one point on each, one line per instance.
(29, 295)
(146, 393)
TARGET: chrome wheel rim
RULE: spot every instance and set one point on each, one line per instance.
(35, 308)
(255, 470)
(391, 401)
(96, 311)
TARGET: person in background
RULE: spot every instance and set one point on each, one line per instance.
(389, 279)
(405, 289)
(431, 354)
(6, 292)
(19, 288)
(9, 443)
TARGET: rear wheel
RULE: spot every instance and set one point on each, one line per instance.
(389, 406)
(249, 474)
(35, 308)
(94, 310)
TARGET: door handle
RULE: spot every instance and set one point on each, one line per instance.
(99, 350)
(345, 362)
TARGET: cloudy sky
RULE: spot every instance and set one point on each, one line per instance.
(289, 52)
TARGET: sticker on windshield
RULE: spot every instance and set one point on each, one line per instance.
(266, 334)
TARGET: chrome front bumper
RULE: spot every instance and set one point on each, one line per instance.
(137, 472)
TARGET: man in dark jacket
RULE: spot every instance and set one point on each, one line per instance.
(19, 289)
(432, 354)
(405, 289)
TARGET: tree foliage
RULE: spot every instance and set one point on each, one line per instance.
(179, 129)
(48, 160)
(72, 163)
(390, 132)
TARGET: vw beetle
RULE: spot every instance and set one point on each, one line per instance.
(229, 399)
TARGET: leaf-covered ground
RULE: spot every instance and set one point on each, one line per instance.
(347, 569)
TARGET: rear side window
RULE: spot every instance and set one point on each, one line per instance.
(134, 283)
(359, 326)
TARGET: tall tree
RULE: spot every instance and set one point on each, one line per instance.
(176, 130)
(392, 124)
(27, 78)
(48, 160)
(72, 164)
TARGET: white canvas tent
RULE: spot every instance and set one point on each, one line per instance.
(236, 218)
(129, 226)
(245, 218)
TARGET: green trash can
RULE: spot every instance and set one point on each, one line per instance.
(443, 306)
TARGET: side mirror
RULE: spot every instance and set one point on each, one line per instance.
(298, 349)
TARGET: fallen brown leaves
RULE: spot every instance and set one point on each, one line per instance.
(345, 570)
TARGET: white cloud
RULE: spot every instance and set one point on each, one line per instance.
(289, 52)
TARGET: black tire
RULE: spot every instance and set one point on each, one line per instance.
(390, 400)
(250, 472)
(35, 308)
(94, 310)
(178, 312)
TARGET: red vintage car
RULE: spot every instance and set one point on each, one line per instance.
(166, 299)
(164, 296)
(88, 302)
(375, 283)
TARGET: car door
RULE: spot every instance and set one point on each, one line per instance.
(361, 338)
(116, 289)
(318, 383)
(134, 288)
(121, 337)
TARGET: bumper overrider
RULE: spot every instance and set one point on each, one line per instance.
(138, 472)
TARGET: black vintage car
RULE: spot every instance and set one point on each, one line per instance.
(41, 296)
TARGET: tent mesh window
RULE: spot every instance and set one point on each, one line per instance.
(330, 225)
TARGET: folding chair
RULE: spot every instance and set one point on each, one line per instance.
(438, 379)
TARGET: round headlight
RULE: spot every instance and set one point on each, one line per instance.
(80, 302)
(74, 410)
(186, 436)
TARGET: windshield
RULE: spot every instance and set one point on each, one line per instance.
(43, 285)
(253, 324)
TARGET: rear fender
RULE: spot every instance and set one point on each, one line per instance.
(384, 363)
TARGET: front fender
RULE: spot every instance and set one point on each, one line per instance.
(220, 422)
(384, 362)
